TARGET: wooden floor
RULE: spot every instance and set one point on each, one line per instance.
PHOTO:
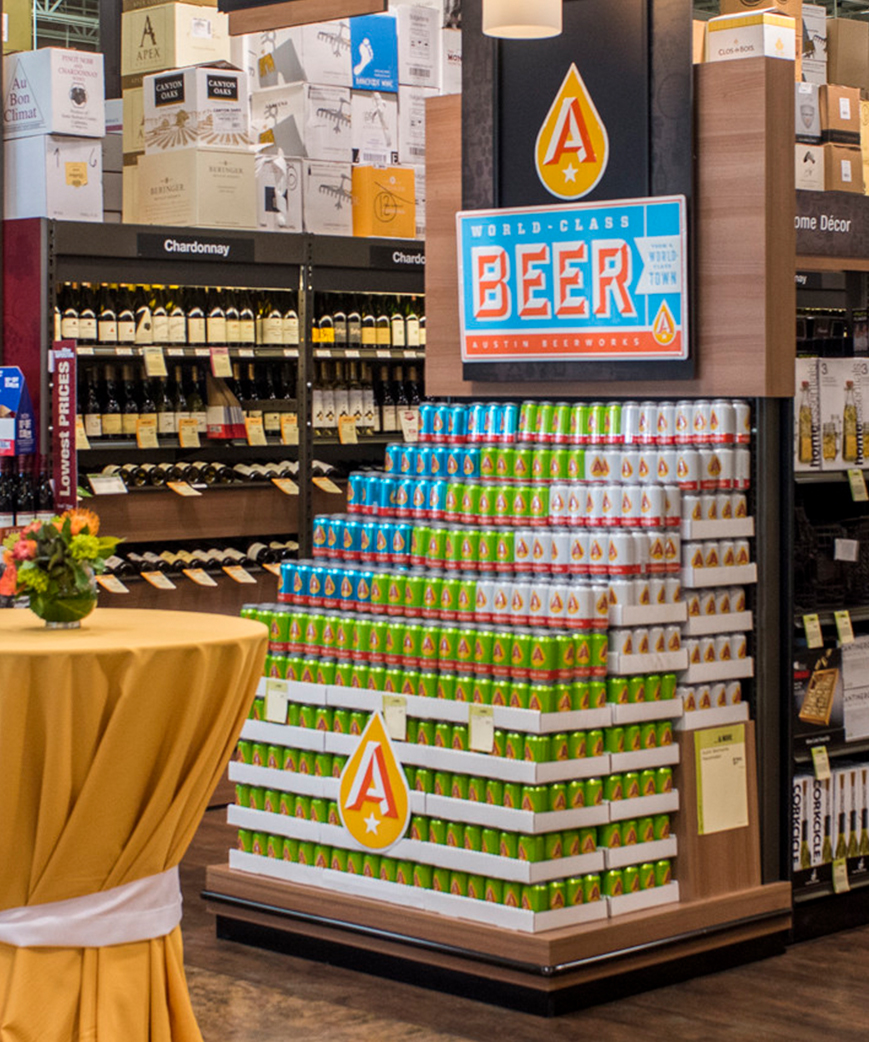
(241, 994)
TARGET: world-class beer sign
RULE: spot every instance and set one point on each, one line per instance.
(586, 281)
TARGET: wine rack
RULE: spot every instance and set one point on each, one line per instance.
(59, 264)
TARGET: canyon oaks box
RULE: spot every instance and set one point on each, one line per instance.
(206, 107)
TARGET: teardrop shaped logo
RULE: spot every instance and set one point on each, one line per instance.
(572, 147)
(374, 801)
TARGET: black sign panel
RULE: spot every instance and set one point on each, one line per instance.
(401, 258)
(832, 224)
(607, 42)
(173, 246)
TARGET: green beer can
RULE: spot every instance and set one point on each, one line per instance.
(494, 792)
(613, 883)
(553, 846)
(290, 849)
(631, 785)
(511, 894)
(576, 794)
(577, 745)
(664, 732)
(617, 690)
(245, 841)
(491, 841)
(459, 738)
(476, 790)
(557, 796)
(571, 843)
(371, 866)
(519, 695)
(512, 796)
(307, 717)
(664, 779)
(591, 887)
(595, 743)
(629, 830)
(442, 783)
(307, 854)
(647, 875)
(560, 747)
(535, 798)
(588, 840)
(427, 685)
(487, 547)
(322, 855)
(614, 740)
(611, 835)
(536, 748)
(631, 879)
(574, 889)
(649, 735)
(508, 844)
(440, 880)
(646, 830)
(354, 862)
(424, 781)
(459, 884)
(287, 804)
(423, 876)
(596, 694)
(531, 848)
(636, 689)
(647, 783)
(464, 690)
(557, 891)
(388, 869)
(494, 891)
(663, 872)
(579, 696)
(473, 838)
(542, 697)
(668, 686)
(459, 787)
(653, 687)
(419, 828)
(404, 873)
(302, 808)
(535, 898)
(661, 826)
(523, 460)
(447, 686)
(476, 888)
(593, 792)
(437, 831)
(633, 738)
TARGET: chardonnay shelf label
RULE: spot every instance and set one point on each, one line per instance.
(188, 433)
(347, 430)
(155, 362)
(112, 583)
(106, 485)
(256, 435)
(200, 577)
(146, 432)
(287, 486)
(239, 574)
(182, 488)
(159, 581)
(327, 485)
(290, 429)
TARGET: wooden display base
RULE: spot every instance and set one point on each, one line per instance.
(544, 973)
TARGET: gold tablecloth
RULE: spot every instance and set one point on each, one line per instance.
(112, 738)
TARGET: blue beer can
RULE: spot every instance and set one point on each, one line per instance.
(476, 423)
(401, 533)
(419, 503)
(383, 544)
(351, 540)
(423, 461)
(458, 427)
(471, 461)
(356, 485)
(372, 495)
(332, 585)
(301, 591)
(441, 426)
(321, 523)
(362, 588)
(285, 582)
(407, 459)
(392, 458)
(493, 422)
(316, 584)
(386, 496)
(335, 537)
(426, 421)
(404, 497)
(455, 457)
(437, 499)
(367, 540)
(509, 423)
(347, 588)
(438, 462)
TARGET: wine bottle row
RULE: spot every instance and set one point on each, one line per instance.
(199, 472)
(345, 389)
(26, 493)
(118, 314)
(210, 558)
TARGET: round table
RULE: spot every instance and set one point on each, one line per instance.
(112, 739)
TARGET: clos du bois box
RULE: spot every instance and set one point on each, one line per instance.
(53, 176)
(203, 107)
(53, 91)
(198, 189)
(750, 35)
(171, 36)
(278, 191)
(328, 198)
(304, 120)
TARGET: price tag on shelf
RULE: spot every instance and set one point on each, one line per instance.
(812, 626)
(188, 433)
(381, 353)
(202, 352)
(395, 716)
(159, 581)
(155, 363)
(289, 428)
(291, 352)
(277, 700)
(327, 485)
(220, 363)
(106, 485)
(112, 583)
(409, 354)
(844, 627)
(274, 568)
(182, 488)
(122, 350)
(175, 352)
(239, 574)
(351, 352)
(81, 349)
(846, 550)
(481, 728)
(347, 430)
(857, 480)
(840, 876)
(286, 485)
(81, 439)
(256, 434)
(199, 576)
(146, 432)
(245, 352)
(409, 419)
(821, 762)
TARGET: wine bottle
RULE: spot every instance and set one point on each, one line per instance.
(290, 323)
(411, 323)
(166, 422)
(7, 493)
(339, 321)
(111, 408)
(25, 494)
(93, 421)
(130, 408)
(126, 317)
(340, 394)
(330, 420)
(388, 415)
(371, 410)
(317, 402)
(354, 325)
(244, 472)
(44, 491)
(177, 317)
(232, 318)
(368, 325)
(196, 402)
(271, 414)
(396, 324)
(215, 326)
(355, 397)
(200, 473)
(383, 336)
(272, 323)
(87, 315)
(159, 316)
(259, 553)
(116, 565)
(133, 475)
(196, 327)
(246, 322)
(68, 313)
(107, 322)
(154, 562)
(144, 326)
(179, 399)
(326, 324)
(252, 411)
(147, 406)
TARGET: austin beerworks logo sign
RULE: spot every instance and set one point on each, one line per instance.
(584, 281)
(374, 801)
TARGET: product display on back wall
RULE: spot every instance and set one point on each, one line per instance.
(524, 562)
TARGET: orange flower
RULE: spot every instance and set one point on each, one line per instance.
(79, 519)
(24, 550)
(8, 581)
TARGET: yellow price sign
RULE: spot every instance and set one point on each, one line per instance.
(289, 428)
(857, 481)
(155, 363)
(844, 627)
(146, 432)
(347, 430)
(188, 433)
(374, 800)
(81, 439)
(812, 626)
(256, 434)
(821, 763)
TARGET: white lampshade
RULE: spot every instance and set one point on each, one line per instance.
(522, 19)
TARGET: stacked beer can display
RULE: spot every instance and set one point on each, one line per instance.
(527, 558)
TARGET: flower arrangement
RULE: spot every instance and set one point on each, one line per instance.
(55, 562)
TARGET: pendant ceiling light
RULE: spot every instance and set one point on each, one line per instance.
(522, 19)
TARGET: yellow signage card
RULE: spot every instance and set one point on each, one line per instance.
(821, 763)
(347, 430)
(256, 435)
(277, 700)
(812, 626)
(158, 580)
(112, 583)
(188, 433)
(722, 779)
(395, 716)
(327, 485)
(155, 363)
(286, 485)
(289, 428)
(844, 627)
(857, 481)
(146, 432)
(181, 488)
(239, 574)
(481, 728)
(81, 439)
(200, 577)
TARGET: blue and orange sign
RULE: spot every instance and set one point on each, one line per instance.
(573, 283)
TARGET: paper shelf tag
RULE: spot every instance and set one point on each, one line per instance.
(812, 626)
(255, 433)
(112, 583)
(106, 485)
(327, 485)
(821, 762)
(188, 433)
(182, 488)
(146, 432)
(857, 480)
(286, 485)
(273, 567)
(82, 349)
(481, 728)
(840, 876)
(846, 550)
(409, 419)
(277, 700)
(245, 352)
(155, 363)
(220, 363)
(159, 581)
(395, 716)
(200, 577)
(241, 575)
(844, 627)
(347, 430)
(81, 439)
(289, 428)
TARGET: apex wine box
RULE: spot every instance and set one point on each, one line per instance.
(53, 91)
(171, 36)
(198, 188)
(206, 107)
(54, 176)
(304, 120)
(384, 202)
(328, 198)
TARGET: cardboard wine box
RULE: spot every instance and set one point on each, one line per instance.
(809, 167)
(17, 25)
(374, 52)
(411, 124)
(419, 193)
(418, 46)
(451, 62)
(328, 198)
(130, 185)
(750, 35)
(384, 202)
(305, 120)
(848, 52)
(134, 121)
(198, 189)
(206, 107)
(843, 168)
(171, 36)
(791, 8)
(864, 143)
(54, 176)
(814, 69)
(374, 127)
(807, 112)
(316, 53)
(278, 191)
(54, 91)
(840, 113)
